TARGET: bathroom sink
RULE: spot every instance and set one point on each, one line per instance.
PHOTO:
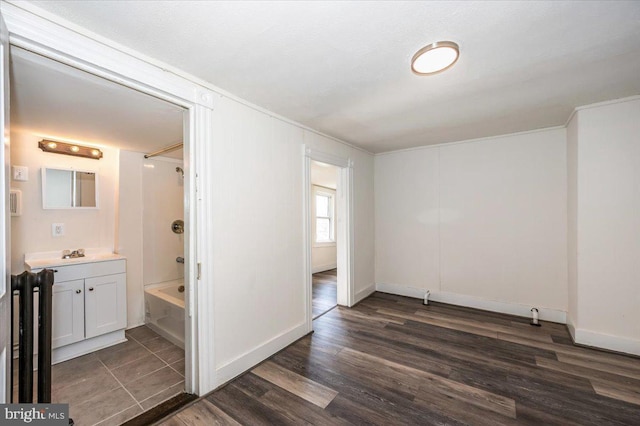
(54, 258)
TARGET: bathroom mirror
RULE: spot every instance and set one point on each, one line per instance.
(69, 189)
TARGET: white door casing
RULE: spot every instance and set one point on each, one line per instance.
(5, 227)
(344, 231)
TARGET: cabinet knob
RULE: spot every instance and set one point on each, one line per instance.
(78, 291)
(90, 288)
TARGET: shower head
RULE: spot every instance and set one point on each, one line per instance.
(179, 169)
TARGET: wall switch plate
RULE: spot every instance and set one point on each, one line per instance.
(57, 229)
(20, 173)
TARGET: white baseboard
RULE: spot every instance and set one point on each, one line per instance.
(606, 341)
(167, 335)
(545, 314)
(83, 347)
(365, 292)
(571, 327)
(401, 290)
(87, 346)
(322, 268)
(135, 324)
(518, 309)
(255, 356)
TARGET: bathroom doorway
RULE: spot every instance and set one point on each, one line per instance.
(119, 373)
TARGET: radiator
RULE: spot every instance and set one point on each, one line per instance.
(26, 285)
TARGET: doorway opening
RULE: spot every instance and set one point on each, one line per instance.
(324, 235)
(328, 218)
(139, 357)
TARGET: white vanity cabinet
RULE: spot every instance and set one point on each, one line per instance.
(68, 313)
(89, 306)
(105, 304)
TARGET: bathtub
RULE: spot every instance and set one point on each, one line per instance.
(164, 310)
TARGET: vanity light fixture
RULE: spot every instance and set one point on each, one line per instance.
(70, 149)
(435, 58)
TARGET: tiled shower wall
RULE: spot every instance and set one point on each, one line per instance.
(163, 192)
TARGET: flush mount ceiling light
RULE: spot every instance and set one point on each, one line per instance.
(435, 58)
(70, 149)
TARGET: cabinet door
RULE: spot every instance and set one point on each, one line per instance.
(68, 313)
(105, 304)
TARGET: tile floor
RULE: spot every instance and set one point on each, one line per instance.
(113, 385)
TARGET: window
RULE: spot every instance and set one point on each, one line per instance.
(324, 218)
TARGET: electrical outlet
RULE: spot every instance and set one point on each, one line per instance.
(57, 229)
(20, 173)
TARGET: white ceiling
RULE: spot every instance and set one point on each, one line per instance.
(342, 67)
(324, 175)
(57, 101)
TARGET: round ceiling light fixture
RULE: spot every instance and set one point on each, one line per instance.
(435, 58)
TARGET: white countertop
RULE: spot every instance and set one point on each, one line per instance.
(52, 259)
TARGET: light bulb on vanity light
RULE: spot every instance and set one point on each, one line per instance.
(75, 149)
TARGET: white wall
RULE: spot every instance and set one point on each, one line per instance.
(130, 223)
(608, 223)
(258, 250)
(407, 219)
(84, 228)
(323, 255)
(150, 199)
(364, 226)
(162, 203)
(572, 222)
(477, 221)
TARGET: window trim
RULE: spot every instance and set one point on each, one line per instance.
(325, 192)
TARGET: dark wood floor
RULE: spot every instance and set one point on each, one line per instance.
(392, 361)
(325, 294)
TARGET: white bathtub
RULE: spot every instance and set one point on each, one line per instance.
(164, 310)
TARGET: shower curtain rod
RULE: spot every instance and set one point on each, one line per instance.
(163, 150)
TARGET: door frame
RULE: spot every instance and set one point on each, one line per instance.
(345, 229)
(6, 294)
(90, 53)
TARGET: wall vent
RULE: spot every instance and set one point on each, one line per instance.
(15, 202)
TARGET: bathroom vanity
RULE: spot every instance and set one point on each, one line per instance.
(89, 300)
